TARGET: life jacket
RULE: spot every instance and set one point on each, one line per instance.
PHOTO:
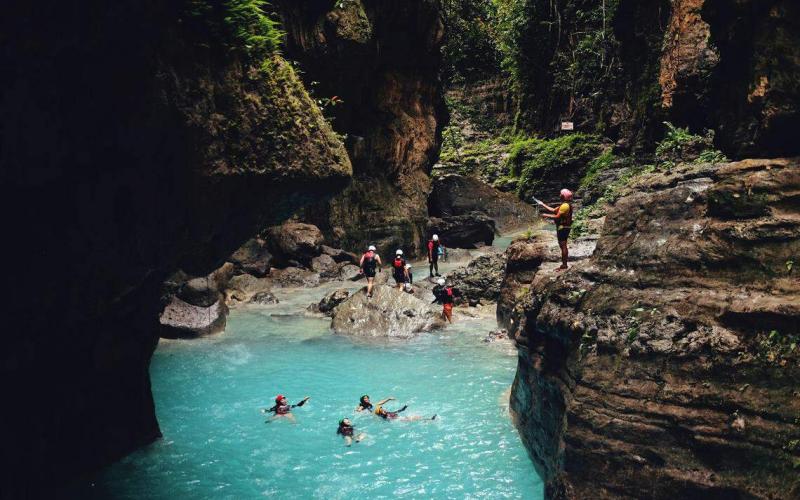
(399, 263)
(433, 245)
(565, 219)
(282, 409)
(448, 295)
(346, 430)
(369, 260)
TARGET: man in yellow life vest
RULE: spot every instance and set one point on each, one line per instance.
(562, 216)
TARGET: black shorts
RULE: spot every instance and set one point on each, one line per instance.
(369, 273)
(399, 277)
(563, 233)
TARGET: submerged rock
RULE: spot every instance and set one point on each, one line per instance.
(183, 320)
(242, 288)
(330, 301)
(389, 313)
(463, 231)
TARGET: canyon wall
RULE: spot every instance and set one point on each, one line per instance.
(381, 60)
(622, 67)
(668, 364)
(137, 138)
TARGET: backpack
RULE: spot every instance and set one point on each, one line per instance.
(399, 263)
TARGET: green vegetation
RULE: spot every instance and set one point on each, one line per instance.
(776, 347)
(240, 26)
(535, 161)
(599, 164)
(471, 51)
(679, 146)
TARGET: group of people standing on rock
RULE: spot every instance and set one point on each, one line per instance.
(371, 263)
(282, 409)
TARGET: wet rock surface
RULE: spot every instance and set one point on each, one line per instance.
(663, 366)
(388, 313)
(330, 301)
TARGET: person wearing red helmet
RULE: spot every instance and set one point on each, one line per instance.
(562, 217)
(282, 408)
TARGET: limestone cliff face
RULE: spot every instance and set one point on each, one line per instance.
(668, 364)
(135, 141)
(382, 59)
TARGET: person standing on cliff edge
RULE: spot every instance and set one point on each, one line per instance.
(562, 217)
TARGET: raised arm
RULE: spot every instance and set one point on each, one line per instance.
(384, 401)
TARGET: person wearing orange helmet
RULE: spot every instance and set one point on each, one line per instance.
(562, 217)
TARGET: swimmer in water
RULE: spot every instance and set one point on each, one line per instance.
(392, 415)
(347, 431)
(364, 403)
(283, 409)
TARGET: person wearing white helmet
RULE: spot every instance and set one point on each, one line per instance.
(562, 217)
(369, 261)
(399, 269)
(445, 295)
(433, 255)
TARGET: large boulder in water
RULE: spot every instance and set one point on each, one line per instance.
(295, 241)
(389, 313)
(480, 280)
(183, 320)
(463, 231)
(330, 301)
(455, 195)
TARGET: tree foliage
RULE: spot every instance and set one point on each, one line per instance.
(471, 50)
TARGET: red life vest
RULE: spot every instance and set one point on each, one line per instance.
(399, 263)
(449, 292)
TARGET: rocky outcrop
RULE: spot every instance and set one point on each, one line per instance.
(330, 301)
(294, 242)
(480, 280)
(463, 231)
(389, 313)
(667, 366)
(137, 139)
(461, 195)
(381, 60)
(252, 258)
(184, 320)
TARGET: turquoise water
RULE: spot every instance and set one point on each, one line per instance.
(216, 445)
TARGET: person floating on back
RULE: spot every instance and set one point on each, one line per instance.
(283, 409)
(364, 404)
(369, 261)
(445, 295)
(399, 269)
(348, 431)
(562, 217)
(433, 255)
(392, 415)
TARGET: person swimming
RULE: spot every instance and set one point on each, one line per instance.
(392, 415)
(282, 408)
(348, 432)
(364, 404)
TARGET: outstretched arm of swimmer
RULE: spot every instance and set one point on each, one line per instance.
(265, 410)
(383, 402)
(302, 402)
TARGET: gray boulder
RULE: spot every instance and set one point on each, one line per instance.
(294, 277)
(242, 288)
(330, 301)
(481, 280)
(180, 319)
(264, 298)
(389, 313)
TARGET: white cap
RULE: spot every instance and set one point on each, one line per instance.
(440, 281)
(408, 266)
(371, 247)
(435, 237)
(399, 252)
